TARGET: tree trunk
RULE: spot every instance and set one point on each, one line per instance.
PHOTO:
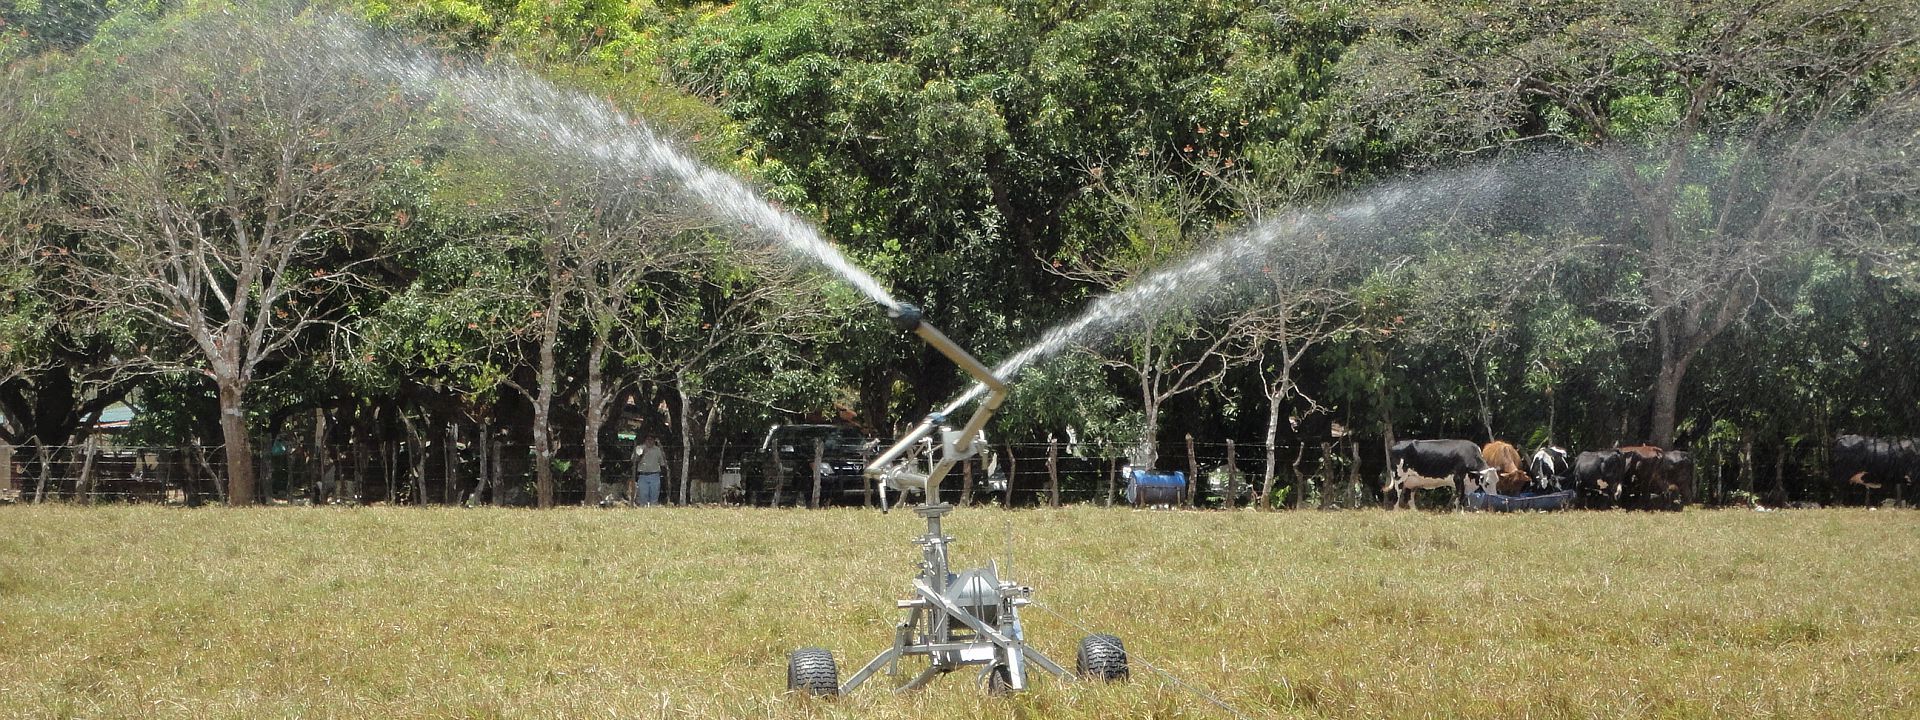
(364, 440)
(875, 395)
(1778, 495)
(1553, 413)
(233, 430)
(1666, 397)
(1273, 462)
(1385, 402)
(213, 478)
(83, 489)
(1746, 464)
(1480, 395)
(687, 439)
(1149, 447)
(542, 426)
(45, 456)
(389, 469)
(450, 461)
(498, 473)
(416, 458)
(596, 405)
(318, 477)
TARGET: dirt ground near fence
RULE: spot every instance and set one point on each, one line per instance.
(150, 612)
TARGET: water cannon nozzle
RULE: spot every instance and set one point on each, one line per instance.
(905, 317)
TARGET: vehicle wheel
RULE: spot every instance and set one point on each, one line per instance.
(1102, 657)
(999, 681)
(812, 671)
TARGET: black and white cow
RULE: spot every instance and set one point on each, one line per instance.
(1423, 464)
(1551, 469)
(1600, 475)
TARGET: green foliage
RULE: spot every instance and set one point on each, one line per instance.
(1000, 163)
(1070, 398)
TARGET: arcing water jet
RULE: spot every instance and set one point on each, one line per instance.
(516, 104)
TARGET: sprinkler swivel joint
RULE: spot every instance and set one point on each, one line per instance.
(904, 316)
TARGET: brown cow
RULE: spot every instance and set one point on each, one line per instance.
(1505, 459)
(1654, 478)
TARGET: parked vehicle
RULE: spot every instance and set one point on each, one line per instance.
(781, 470)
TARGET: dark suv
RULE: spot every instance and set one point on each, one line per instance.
(784, 465)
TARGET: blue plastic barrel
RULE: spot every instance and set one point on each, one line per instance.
(1145, 487)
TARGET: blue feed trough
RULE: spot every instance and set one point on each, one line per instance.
(1510, 503)
(1145, 487)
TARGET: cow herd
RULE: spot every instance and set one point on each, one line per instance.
(1872, 463)
(1637, 477)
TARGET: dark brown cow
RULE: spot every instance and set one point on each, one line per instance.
(1654, 478)
(1506, 460)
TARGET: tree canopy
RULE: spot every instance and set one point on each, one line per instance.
(1580, 223)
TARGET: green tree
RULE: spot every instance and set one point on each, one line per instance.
(212, 203)
(1728, 128)
(951, 146)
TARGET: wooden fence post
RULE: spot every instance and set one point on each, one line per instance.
(1299, 488)
(819, 454)
(1113, 476)
(1326, 473)
(1013, 473)
(1353, 475)
(1233, 479)
(83, 488)
(966, 482)
(1193, 472)
(452, 453)
(1053, 472)
(771, 473)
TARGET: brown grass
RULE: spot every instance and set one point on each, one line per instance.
(400, 613)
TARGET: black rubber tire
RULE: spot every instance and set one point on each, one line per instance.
(999, 681)
(1102, 657)
(812, 671)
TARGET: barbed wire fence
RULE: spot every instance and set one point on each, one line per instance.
(1331, 474)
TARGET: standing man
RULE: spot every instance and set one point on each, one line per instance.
(649, 459)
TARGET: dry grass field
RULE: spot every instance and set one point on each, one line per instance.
(147, 612)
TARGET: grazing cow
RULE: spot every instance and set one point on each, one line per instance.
(1676, 477)
(1551, 469)
(1506, 462)
(1874, 463)
(1598, 476)
(1422, 464)
(1643, 488)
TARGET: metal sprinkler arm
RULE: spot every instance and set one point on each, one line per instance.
(908, 317)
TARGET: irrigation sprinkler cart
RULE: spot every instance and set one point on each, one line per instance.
(954, 620)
